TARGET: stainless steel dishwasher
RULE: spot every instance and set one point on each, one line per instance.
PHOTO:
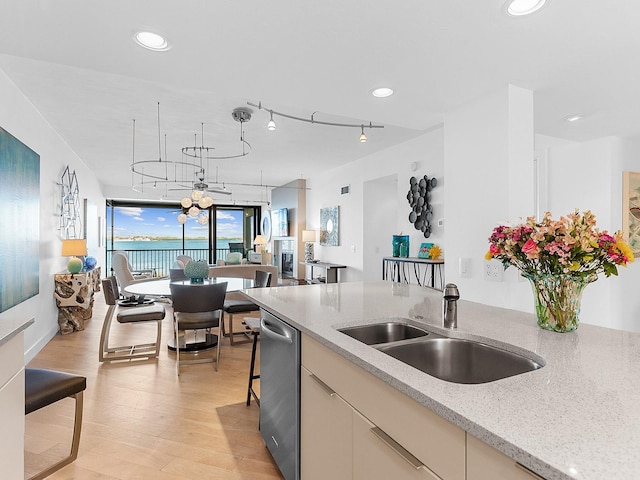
(280, 392)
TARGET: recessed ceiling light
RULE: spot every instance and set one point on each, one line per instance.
(382, 92)
(574, 118)
(152, 41)
(518, 8)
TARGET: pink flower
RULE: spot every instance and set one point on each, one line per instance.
(530, 249)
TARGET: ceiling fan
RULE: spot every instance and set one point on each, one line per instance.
(201, 186)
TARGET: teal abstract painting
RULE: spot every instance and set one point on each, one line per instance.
(19, 222)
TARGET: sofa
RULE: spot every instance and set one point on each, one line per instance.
(245, 270)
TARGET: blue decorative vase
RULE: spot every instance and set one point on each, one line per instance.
(196, 270)
(400, 245)
(90, 263)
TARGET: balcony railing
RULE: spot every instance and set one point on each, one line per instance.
(161, 260)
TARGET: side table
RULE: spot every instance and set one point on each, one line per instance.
(74, 298)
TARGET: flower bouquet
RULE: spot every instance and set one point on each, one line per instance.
(559, 258)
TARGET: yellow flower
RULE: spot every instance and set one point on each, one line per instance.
(626, 250)
(435, 252)
(488, 256)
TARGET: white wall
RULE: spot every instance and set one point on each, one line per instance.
(588, 176)
(380, 200)
(488, 167)
(483, 158)
(19, 117)
(356, 218)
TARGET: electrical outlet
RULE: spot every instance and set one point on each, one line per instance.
(493, 271)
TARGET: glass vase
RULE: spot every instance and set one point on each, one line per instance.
(557, 299)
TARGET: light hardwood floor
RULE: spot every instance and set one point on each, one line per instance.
(142, 421)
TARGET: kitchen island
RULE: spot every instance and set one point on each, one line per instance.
(578, 417)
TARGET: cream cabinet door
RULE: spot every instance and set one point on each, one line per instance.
(486, 463)
(12, 407)
(377, 456)
(325, 431)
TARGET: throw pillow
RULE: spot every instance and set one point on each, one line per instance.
(234, 258)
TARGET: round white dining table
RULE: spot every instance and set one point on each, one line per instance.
(161, 288)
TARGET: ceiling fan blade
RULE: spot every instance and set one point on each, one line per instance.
(220, 192)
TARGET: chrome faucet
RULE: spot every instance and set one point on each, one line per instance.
(450, 296)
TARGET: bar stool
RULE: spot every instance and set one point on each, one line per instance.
(45, 387)
(252, 326)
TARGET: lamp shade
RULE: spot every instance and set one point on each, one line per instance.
(74, 247)
(260, 240)
(308, 235)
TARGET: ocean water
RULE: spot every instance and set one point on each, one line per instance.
(165, 252)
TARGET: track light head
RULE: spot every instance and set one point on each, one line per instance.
(363, 137)
(271, 125)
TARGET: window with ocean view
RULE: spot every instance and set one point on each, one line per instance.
(152, 238)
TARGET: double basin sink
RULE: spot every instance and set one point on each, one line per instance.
(451, 359)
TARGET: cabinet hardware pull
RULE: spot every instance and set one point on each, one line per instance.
(323, 385)
(399, 449)
(527, 470)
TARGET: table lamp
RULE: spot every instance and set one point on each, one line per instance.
(74, 248)
(308, 236)
(259, 242)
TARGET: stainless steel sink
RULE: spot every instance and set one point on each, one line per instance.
(460, 361)
(377, 333)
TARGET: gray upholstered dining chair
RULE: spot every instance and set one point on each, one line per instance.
(177, 274)
(129, 315)
(244, 306)
(197, 307)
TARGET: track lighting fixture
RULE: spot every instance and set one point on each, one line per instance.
(272, 125)
(363, 137)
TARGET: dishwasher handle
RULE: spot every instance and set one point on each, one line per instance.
(279, 334)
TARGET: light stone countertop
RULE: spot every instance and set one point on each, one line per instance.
(578, 417)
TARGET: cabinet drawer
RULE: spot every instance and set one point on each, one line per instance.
(11, 358)
(486, 463)
(377, 457)
(435, 441)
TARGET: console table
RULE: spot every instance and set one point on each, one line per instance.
(330, 272)
(74, 298)
(426, 271)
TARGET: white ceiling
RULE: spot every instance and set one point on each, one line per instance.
(77, 63)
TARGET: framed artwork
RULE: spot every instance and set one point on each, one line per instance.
(424, 250)
(631, 209)
(329, 223)
(19, 222)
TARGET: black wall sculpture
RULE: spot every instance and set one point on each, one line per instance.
(419, 197)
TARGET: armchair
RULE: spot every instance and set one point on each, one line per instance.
(123, 273)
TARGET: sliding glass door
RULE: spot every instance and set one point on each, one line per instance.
(152, 238)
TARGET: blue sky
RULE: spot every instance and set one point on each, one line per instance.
(161, 222)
